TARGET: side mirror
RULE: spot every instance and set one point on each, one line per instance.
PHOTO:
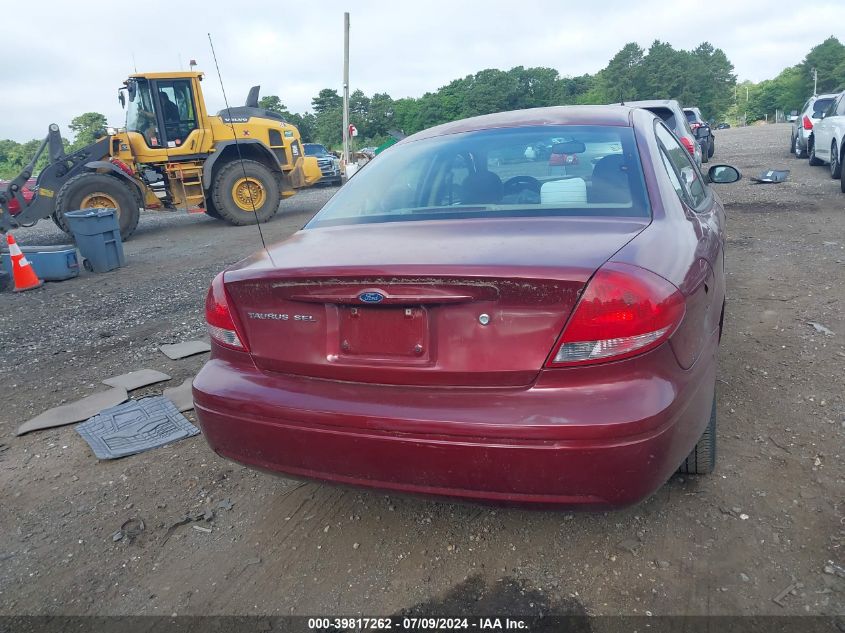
(702, 132)
(723, 174)
(121, 98)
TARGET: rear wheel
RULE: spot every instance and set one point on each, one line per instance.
(702, 458)
(712, 149)
(811, 151)
(705, 154)
(245, 191)
(835, 164)
(799, 151)
(98, 191)
(842, 181)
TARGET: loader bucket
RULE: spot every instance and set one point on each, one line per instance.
(306, 173)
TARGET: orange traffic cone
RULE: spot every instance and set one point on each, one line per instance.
(22, 273)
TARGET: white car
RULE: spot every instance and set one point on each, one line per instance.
(825, 144)
(810, 114)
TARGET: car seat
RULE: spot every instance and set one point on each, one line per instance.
(610, 181)
(483, 187)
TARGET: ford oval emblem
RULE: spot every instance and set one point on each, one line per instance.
(371, 297)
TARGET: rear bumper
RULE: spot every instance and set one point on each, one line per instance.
(802, 137)
(603, 437)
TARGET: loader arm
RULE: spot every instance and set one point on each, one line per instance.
(60, 168)
(53, 142)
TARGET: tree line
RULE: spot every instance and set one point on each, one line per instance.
(791, 88)
(703, 77)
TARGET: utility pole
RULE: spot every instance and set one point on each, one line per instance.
(346, 88)
(815, 81)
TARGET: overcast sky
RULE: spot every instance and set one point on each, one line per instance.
(59, 58)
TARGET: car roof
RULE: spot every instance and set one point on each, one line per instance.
(601, 115)
(649, 103)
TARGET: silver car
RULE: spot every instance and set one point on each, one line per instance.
(802, 127)
(673, 116)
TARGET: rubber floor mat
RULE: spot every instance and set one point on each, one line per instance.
(134, 427)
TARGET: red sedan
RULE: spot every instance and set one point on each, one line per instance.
(461, 321)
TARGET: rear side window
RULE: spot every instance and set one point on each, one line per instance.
(820, 106)
(685, 176)
(666, 115)
(504, 172)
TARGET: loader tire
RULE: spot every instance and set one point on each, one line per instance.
(245, 191)
(210, 210)
(91, 191)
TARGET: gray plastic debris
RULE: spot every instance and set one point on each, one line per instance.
(136, 379)
(138, 425)
(75, 411)
(821, 329)
(130, 530)
(181, 396)
(183, 350)
(771, 176)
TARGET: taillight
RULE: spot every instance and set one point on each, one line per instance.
(688, 144)
(808, 124)
(625, 311)
(122, 166)
(221, 326)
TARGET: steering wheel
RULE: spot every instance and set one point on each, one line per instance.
(518, 183)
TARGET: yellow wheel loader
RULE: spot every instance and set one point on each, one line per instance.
(236, 165)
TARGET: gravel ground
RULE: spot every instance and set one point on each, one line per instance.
(770, 518)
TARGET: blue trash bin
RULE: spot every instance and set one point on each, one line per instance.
(50, 263)
(97, 236)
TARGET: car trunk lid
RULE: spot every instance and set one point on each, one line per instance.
(475, 303)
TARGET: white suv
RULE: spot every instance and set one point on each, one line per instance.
(810, 114)
(825, 144)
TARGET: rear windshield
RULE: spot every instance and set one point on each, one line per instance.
(820, 106)
(506, 172)
(690, 116)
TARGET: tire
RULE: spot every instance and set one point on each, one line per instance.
(797, 150)
(702, 458)
(835, 164)
(712, 149)
(811, 152)
(705, 155)
(210, 210)
(842, 181)
(92, 190)
(244, 176)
